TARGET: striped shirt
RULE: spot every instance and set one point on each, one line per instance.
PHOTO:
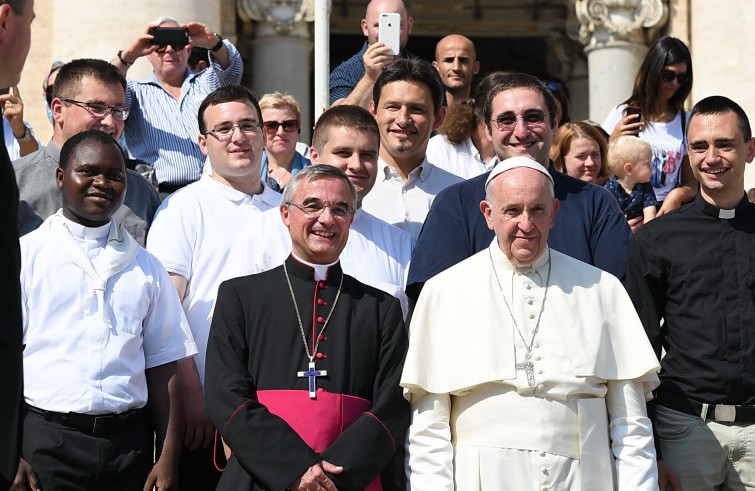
(163, 131)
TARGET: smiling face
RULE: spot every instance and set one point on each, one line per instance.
(583, 159)
(93, 183)
(318, 239)
(521, 212)
(354, 152)
(456, 62)
(718, 154)
(533, 141)
(71, 119)
(238, 159)
(406, 118)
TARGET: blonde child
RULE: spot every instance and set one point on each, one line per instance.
(629, 157)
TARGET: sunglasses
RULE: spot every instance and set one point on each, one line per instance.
(48, 94)
(176, 47)
(289, 126)
(669, 76)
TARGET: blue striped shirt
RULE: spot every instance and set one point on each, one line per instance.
(163, 131)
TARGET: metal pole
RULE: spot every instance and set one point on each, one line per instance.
(322, 57)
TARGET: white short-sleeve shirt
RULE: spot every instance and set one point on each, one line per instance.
(72, 360)
(460, 159)
(192, 234)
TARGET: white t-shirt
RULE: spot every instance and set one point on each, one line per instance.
(192, 234)
(461, 159)
(405, 204)
(376, 253)
(669, 146)
(74, 361)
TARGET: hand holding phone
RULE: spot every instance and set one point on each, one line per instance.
(632, 110)
(389, 31)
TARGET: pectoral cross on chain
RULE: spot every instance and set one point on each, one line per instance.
(312, 373)
(529, 369)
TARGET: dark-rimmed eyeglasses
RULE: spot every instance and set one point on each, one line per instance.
(316, 209)
(670, 75)
(176, 47)
(289, 126)
(507, 122)
(100, 110)
(224, 132)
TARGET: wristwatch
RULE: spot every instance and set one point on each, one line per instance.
(26, 137)
(218, 45)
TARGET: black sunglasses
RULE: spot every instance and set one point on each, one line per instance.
(670, 76)
(176, 47)
(48, 94)
(289, 126)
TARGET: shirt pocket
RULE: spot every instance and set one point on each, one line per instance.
(130, 301)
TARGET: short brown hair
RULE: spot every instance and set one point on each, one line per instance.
(571, 131)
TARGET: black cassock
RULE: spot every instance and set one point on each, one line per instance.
(260, 403)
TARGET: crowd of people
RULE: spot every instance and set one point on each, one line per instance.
(453, 285)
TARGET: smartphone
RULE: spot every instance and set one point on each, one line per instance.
(389, 31)
(632, 110)
(163, 36)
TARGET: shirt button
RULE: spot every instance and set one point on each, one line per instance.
(321, 319)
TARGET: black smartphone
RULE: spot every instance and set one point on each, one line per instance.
(632, 110)
(176, 36)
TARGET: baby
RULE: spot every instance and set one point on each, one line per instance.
(629, 158)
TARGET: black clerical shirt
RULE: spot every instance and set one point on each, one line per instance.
(695, 269)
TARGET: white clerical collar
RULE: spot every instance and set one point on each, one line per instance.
(501, 260)
(726, 214)
(321, 270)
(83, 232)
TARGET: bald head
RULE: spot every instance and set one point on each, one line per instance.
(371, 19)
(456, 62)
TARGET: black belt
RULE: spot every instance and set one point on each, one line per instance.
(166, 187)
(88, 423)
(722, 413)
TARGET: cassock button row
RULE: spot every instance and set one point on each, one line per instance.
(321, 284)
(321, 319)
(539, 372)
(529, 302)
(322, 337)
(320, 301)
(321, 356)
(532, 316)
(320, 389)
(527, 286)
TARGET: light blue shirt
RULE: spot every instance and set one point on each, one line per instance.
(163, 131)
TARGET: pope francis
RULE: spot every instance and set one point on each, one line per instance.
(527, 369)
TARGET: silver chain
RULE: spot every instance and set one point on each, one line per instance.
(298, 316)
(542, 305)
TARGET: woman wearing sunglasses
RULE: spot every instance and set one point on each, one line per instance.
(281, 121)
(655, 112)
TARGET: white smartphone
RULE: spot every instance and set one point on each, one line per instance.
(389, 31)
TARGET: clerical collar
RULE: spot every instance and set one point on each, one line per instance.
(83, 232)
(712, 210)
(318, 271)
(504, 263)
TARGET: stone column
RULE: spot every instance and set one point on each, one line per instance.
(615, 33)
(281, 50)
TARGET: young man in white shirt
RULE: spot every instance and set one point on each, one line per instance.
(192, 234)
(406, 103)
(102, 320)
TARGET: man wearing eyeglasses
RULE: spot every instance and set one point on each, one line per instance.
(303, 360)
(162, 128)
(16, 17)
(520, 114)
(88, 95)
(192, 235)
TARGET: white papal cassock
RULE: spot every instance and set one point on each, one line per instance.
(476, 421)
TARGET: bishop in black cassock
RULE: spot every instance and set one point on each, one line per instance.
(263, 396)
